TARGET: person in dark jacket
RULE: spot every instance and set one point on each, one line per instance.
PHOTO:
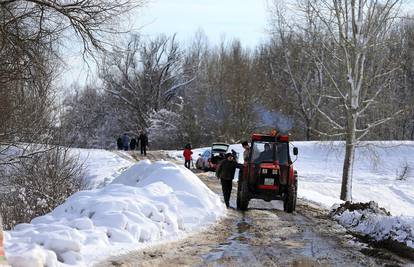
(266, 154)
(119, 143)
(125, 141)
(225, 172)
(133, 144)
(143, 139)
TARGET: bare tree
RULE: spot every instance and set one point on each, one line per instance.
(39, 184)
(358, 34)
(30, 34)
(89, 118)
(90, 20)
(144, 77)
(289, 59)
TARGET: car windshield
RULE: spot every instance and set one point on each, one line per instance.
(269, 152)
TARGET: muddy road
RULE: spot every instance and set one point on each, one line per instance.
(263, 236)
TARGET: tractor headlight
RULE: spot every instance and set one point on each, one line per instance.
(264, 171)
(274, 172)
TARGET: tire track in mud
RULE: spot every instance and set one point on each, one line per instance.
(262, 236)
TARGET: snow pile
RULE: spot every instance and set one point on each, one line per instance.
(147, 203)
(375, 222)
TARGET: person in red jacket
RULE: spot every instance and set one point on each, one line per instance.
(187, 156)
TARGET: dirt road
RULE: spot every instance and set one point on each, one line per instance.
(263, 236)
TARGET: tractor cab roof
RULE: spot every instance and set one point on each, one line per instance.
(270, 137)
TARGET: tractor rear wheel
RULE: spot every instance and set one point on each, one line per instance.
(242, 196)
(296, 196)
(289, 203)
(238, 194)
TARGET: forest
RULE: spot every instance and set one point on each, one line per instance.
(330, 70)
(297, 81)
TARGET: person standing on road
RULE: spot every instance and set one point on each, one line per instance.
(143, 139)
(225, 172)
(246, 151)
(125, 141)
(119, 143)
(187, 156)
(133, 144)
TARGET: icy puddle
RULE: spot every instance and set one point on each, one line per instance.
(236, 247)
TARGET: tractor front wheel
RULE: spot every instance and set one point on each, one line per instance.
(242, 195)
(289, 203)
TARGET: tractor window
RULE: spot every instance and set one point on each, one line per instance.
(283, 153)
(262, 152)
(267, 151)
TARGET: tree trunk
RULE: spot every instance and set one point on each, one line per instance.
(346, 189)
(308, 132)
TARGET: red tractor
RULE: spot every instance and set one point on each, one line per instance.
(268, 173)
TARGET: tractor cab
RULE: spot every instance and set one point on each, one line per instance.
(268, 173)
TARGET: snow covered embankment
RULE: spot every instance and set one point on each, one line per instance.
(102, 166)
(149, 202)
(377, 223)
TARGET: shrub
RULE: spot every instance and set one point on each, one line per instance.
(36, 185)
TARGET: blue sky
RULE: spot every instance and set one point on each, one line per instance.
(229, 19)
(242, 19)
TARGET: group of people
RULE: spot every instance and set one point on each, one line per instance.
(126, 143)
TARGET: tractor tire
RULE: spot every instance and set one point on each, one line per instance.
(296, 196)
(238, 194)
(289, 203)
(243, 196)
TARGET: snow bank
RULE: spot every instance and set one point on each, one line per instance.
(149, 202)
(368, 219)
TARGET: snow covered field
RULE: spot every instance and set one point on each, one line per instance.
(147, 203)
(377, 168)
